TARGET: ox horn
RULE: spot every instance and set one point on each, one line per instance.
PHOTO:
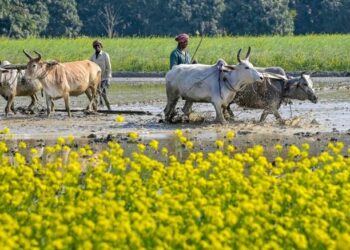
(39, 55)
(239, 55)
(26, 53)
(248, 54)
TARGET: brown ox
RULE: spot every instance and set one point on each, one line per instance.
(61, 80)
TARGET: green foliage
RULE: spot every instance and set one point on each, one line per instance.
(114, 18)
(258, 17)
(321, 16)
(24, 18)
(294, 53)
(5, 4)
(91, 15)
(195, 16)
(64, 19)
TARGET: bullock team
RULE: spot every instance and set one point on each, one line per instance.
(220, 84)
(58, 80)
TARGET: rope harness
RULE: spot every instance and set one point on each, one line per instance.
(212, 73)
(228, 84)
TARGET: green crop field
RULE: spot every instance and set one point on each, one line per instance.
(294, 53)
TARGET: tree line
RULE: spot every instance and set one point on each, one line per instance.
(112, 18)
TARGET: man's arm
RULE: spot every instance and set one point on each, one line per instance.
(108, 66)
(173, 59)
(188, 58)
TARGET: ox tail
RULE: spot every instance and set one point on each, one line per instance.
(42, 92)
(35, 97)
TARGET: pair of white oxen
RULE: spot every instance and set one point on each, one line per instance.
(223, 84)
(58, 80)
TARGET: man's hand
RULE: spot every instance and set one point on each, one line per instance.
(108, 82)
(105, 83)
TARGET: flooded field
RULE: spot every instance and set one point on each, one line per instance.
(317, 124)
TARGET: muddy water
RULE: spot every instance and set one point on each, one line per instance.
(317, 124)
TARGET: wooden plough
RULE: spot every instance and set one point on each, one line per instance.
(128, 112)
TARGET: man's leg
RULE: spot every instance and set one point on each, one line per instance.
(104, 86)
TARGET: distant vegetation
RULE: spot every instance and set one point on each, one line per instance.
(114, 18)
(294, 53)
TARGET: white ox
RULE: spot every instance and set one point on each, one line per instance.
(62, 80)
(216, 84)
(13, 83)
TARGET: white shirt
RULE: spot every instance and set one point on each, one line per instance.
(105, 64)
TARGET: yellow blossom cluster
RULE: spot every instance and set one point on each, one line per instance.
(70, 198)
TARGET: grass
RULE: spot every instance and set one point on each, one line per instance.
(294, 53)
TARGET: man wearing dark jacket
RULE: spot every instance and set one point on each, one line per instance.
(180, 55)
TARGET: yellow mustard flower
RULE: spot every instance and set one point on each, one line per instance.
(230, 135)
(133, 136)
(154, 144)
(119, 119)
(22, 145)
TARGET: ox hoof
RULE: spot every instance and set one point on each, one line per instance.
(229, 118)
(222, 122)
(282, 122)
(90, 112)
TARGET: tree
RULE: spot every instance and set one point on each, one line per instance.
(193, 16)
(64, 19)
(110, 18)
(334, 16)
(322, 16)
(258, 17)
(307, 15)
(5, 4)
(23, 18)
(102, 17)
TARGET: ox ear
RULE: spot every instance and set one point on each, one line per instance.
(307, 73)
(230, 67)
(52, 63)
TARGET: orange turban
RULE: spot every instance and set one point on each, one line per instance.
(182, 38)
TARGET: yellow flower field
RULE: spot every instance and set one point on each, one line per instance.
(67, 198)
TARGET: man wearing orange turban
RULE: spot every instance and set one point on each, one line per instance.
(180, 55)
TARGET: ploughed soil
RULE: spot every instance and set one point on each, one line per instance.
(317, 124)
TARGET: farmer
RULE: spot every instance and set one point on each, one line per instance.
(102, 59)
(180, 55)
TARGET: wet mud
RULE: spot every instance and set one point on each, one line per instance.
(316, 124)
